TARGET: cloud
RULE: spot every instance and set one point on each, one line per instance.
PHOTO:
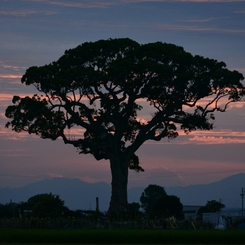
(24, 13)
(10, 76)
(217, 140)
(88, 4)
(198, 20)
(14, 152)
(8, 134)
(7, 97)
(35, 176)
(217, 137)
(52, 175)
(7, 66)
(240, 12)
(239, 105)
(199, 29)
(82, 5)
(166, 27)
(211, 137)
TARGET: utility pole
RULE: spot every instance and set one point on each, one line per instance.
(97, 204)
(242, 196)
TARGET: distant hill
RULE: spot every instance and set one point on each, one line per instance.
(227, 191)
(78, 194)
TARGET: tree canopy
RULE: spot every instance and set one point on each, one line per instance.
(150, 196)
(102, 86)
(212, 206)
(46, 205)
(155, 201)
(168, 206)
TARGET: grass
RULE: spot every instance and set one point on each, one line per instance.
(121, 237)
(118, 244)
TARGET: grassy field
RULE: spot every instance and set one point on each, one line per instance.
(118, 244)
(121, 237)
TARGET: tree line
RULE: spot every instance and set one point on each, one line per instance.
(154, 203)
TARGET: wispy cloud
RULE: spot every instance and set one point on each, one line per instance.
(240, 12)
(206, 20)
(10, 76)
(24, 13)
(217, 137)
(35, 176)
(8, 134)
(14, 152)
(198, 20)
(9, 96)
(5, 67)
(199, 29)
(217, 140)
(165, 27)
(53, 175)
(85, 4)
(206, 137)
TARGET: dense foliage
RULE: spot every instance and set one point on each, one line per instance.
(212, 206)
(156, 203)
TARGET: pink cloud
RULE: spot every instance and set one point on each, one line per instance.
(204, 137)
(6, 98)
(10, 76)
(217, 140)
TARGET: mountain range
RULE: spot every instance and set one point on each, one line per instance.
(78, 194)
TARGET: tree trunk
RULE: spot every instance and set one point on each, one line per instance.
(119, 195)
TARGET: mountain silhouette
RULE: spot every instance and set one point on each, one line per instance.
(78, 194)
(227, 191)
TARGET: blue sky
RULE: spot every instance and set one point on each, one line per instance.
(37, 32)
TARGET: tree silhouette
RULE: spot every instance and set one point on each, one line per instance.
(167, 206)
(150, 197)
(156, 203)
(212, 206)
(46, 205)
(102, 86)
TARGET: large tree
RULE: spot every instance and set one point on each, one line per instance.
(101, 87)
(150, 196)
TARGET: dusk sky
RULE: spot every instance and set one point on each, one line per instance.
(37, 32)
